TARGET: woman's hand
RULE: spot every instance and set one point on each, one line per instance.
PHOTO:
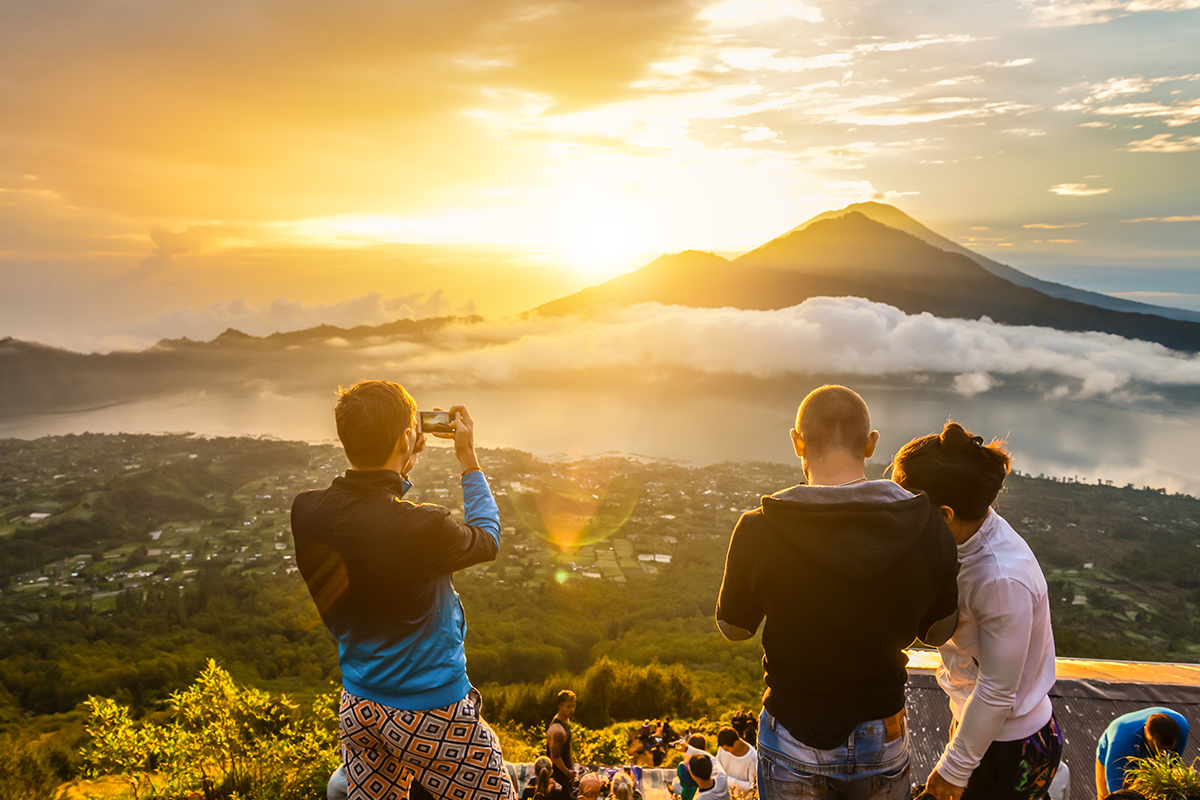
(942, 789)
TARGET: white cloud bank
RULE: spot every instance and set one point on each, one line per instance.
(824, 335)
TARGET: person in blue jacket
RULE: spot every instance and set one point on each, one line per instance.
(380, 571)
(1138, 734)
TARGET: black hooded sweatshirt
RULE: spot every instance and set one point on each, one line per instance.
(846, 578)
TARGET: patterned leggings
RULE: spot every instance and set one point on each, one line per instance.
(450, 751)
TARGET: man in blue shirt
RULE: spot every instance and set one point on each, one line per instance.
(380, 570)
(1138, 734)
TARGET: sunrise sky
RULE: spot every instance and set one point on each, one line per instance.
(177, 168)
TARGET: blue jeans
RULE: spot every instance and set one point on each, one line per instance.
(866, 767)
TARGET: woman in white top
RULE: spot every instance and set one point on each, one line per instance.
(998, 668)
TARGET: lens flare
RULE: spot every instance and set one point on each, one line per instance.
(575, 509)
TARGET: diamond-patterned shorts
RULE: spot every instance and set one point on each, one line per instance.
(450, 751)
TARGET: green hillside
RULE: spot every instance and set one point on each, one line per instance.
(126, 562)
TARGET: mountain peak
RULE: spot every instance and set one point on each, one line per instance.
(880, 212)
(874, 251)
(845, 237)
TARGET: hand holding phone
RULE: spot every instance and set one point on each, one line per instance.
(454, 424)
(434, 422)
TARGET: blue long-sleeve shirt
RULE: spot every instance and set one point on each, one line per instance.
(380, 570)
(1125, 739)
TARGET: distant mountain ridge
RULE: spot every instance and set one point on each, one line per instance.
(893, 217)
(847, 253)
(852, 254)
(40, 378)
(320, 333)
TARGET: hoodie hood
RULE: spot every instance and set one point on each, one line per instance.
(856, 531)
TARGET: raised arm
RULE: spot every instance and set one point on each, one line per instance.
(460, 546)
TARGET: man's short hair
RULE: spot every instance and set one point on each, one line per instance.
(698, 741)
(564, 696)
(700, 766)
(371, 417)
(1163, 730)
(833, 418)
(727, 737)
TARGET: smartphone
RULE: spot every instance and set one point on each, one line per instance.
(436, 422)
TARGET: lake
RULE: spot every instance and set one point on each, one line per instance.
(1149, 441)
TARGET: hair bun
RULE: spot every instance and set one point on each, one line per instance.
(955, 437)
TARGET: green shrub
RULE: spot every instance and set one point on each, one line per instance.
(608, 746)
(1164, 777)
(221, 740)
(520, 744)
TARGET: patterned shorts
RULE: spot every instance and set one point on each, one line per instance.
(1018, 770)
(450, 751)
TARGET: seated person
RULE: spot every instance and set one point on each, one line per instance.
(624, 788)
(684, 785)
(591, 786)
(710, 781)
(746, 725)
(543, 786)
(669, 736)
(738, 759)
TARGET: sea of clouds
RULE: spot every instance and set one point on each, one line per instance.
(824, 335)
(592, 384)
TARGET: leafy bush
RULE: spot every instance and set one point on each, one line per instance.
(222, 740)
(608, 746)
(519, 744)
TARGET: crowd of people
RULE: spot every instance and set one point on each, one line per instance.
(841, 573)
(656, 738)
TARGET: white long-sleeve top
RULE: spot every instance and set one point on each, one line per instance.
(998, 668)
(742, 770)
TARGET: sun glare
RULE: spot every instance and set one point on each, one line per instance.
(602, 245)
(597, 242)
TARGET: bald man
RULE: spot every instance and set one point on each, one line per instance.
(846, 573)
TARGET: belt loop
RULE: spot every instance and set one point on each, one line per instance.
(771, 720)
